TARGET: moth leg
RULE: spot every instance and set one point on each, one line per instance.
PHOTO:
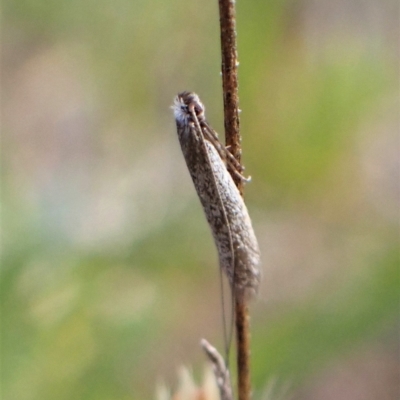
(235, 165)
(238, 174)
(236, 162)
(233, 160)
(222, 150)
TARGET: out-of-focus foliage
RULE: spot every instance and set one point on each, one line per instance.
(109, 275)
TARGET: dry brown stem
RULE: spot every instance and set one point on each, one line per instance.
(229, 67)
(232, 138)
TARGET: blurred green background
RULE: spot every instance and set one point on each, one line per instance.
(109, 274)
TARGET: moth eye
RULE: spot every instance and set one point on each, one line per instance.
(198, 109)
(184, 107)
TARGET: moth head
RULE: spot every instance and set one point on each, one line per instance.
(186, 106)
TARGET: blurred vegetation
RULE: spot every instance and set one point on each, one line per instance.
(109, 275)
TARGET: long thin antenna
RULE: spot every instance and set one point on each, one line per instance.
(232, 138)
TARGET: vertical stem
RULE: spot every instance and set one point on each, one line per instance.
(227, 19)
(232, 138)
(243, 349)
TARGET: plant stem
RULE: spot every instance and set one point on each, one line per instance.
(243, 349)
(227, 19)
(232, 138)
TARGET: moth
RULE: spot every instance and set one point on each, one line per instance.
(207, 160)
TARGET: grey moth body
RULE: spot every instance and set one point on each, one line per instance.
(226, 213)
